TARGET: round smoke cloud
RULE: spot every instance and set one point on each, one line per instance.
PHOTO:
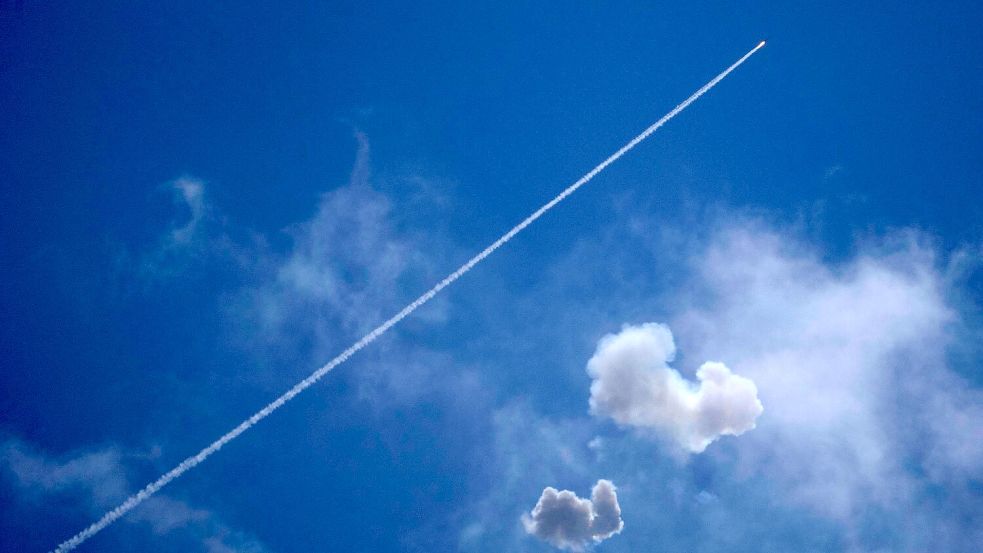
(635, 386)
(569, 522)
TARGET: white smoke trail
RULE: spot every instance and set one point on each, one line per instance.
(194, 460)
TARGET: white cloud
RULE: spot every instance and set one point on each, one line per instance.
(851, 360)
(96, 472)
(870, 433)
(97, 480)
(569, 522)
(634, 385)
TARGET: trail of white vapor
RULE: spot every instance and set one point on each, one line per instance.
(194, 460)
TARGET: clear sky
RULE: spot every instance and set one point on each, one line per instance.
(200, 204)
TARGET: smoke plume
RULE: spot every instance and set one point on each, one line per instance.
(569, 522)
(635, 386)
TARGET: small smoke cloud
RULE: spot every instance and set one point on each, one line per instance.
(569, 522)
(635, 386)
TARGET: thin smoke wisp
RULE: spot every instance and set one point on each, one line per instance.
(205, 453)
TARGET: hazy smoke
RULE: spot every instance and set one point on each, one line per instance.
(635, 386)
(569, 522)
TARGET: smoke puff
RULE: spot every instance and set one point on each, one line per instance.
(569, 522)
(635, 386)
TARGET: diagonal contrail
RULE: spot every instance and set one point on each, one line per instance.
(306, 383)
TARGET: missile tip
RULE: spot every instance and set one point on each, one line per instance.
(762, 44)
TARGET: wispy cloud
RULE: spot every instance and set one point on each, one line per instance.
(832, 171)
(191, 192)
(96, 480)
(199, 238)
(851, 360)
(345, 270)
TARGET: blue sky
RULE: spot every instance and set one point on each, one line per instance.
(202, 204)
